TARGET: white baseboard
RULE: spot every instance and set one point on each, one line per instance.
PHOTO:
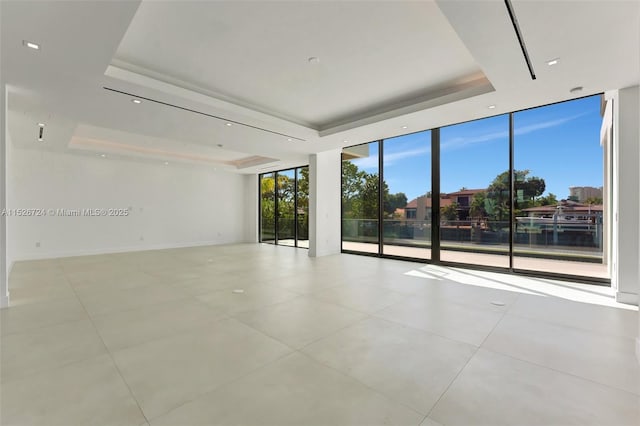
(627, 298)
(70, 253)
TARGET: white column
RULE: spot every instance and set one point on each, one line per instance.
(251, 213)
(4, 290)
(324, 203)
(626, 279)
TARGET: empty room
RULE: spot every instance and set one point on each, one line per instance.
(320, 213)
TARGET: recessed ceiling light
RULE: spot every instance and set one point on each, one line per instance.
(103, 155)
(314, 60)
(289, 139)
(405, 127)
(553, 61)
(40, 140)
(166, 163)
(229, 124)
(136, 101)
(40, 124)
(345, 141)
(576, 89)
(31, 45)
(491, 107)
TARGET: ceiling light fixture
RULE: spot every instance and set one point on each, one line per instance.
(405, 127)
(40, 124)
(136, 101)
(289, 140)
(491, 107)
(345, 141)
(576, 89)
(553, 61)
(31, 45)
(166, 163)
(229, 124)
(103, 155)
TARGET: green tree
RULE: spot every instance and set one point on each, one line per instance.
(549, 200)
(478, 208)
(593, 200)
(393, 202)
(449, 212)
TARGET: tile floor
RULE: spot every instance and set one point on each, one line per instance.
(161, 338)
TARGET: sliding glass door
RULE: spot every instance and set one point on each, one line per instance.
(284, 207)
(559, 181)
(524, 191)
(360, 198)
(268, 208)
(475, 192)
(406, 197)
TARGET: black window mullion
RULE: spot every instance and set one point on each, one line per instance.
(435, 195)
(511, 191)
(380, 198)
(295, 207)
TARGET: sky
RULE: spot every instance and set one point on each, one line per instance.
(559, 143)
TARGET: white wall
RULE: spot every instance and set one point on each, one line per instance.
(171, 206)
(4, 290)
(626, 278)
(251, 208)
(324, 203)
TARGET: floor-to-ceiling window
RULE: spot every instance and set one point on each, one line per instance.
(406, 212)
(268, 208)
(302, 206)
(559, 182)
(524, 191)
(286, 199)
(284, 205)
(360, 198)
(474, 192)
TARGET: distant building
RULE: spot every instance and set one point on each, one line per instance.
(420, 208)
(583, 193)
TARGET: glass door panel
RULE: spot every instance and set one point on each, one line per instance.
(475, 192)
(407, 196)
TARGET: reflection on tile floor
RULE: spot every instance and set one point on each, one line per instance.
(254, 334)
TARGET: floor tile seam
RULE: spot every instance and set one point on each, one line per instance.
(333, 333)
(172, 334)
(95, 287)
(423, 331)
(573, 328)
(355, 379)
(485, 307)
(114, 364)
(477, 349)
(453, 380)
(30, 329)
(343, 306)
(32, 374)
(182, 296)
(288, 345)
(566, 373)
(221, 385)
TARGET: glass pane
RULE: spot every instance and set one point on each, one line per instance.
(559, 209)
(267, 208)
(474, 198)
(286, 207)
(303, 207)
(360, 198)
(407, 195)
